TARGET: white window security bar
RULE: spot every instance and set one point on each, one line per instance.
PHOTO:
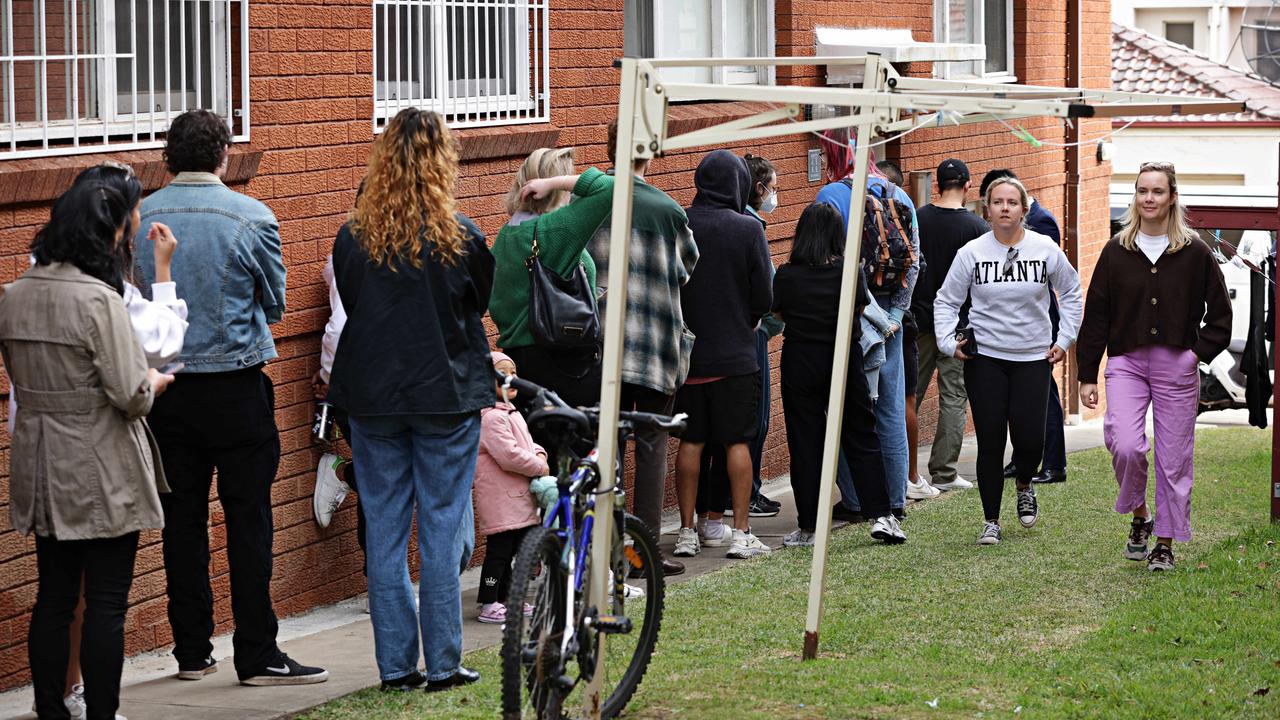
(88, 76)
(885, 104)
(476, 62)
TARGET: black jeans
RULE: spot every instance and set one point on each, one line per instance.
(495, 574)
(806, 388)
(224, 421)
(106, 567)
(651, 454)
(1006, 397)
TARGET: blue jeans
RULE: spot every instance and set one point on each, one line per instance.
(422, 463)
(891, 421)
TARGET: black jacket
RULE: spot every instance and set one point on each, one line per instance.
(732, 287)
(414, 343)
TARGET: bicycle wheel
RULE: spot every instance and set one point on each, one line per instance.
(532, 666)
(626, 654)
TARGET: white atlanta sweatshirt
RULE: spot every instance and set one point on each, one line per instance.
(1009, 314)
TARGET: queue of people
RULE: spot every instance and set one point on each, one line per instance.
(154, 394)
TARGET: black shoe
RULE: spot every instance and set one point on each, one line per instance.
(412, 681)
(1010, 470)
(669, 567)
(840, 513)
(1161, 558)
(464, 676)
(286, 671)
(1139, 533)
(767, 501)
(1049, 476)
(197, 671)
(760, 509)
(899, 513)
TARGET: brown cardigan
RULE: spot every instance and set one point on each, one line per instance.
(1132, 303)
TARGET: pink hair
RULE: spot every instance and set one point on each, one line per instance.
(839, 148)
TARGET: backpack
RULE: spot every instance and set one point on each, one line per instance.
(887, 254)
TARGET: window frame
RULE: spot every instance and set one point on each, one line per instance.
(649, 42)
(975, 12)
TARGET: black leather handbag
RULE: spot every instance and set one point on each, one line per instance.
(562, 311)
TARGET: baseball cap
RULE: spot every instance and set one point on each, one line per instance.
(952, 169)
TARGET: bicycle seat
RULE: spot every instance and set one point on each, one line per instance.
(554, 420)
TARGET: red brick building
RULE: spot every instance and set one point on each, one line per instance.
(306, 85)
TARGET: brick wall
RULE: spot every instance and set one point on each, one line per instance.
(311, 104)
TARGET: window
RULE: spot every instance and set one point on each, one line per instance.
(477, 62)
(702, 28)
(82, 76)
(1183, 33)
(977, 22)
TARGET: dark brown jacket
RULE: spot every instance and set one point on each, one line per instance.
(1179, 301)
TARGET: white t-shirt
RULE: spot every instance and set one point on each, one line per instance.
(1153, 246)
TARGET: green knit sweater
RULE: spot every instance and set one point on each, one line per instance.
(562, 241)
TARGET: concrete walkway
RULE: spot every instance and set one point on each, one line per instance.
(340, 637)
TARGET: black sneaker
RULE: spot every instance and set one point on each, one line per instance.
(412, 681)
(1161, 558)
(1139, 533)
(1028, 509)
(464, 676)
(286, 671)
(759, 508)
(197, 671)
(840, 513)
(1010, 470)
(770, 502)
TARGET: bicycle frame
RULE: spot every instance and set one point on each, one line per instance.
(576, 542)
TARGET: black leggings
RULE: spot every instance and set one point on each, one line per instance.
(1012, 397)
(495, 575)
(107, 568)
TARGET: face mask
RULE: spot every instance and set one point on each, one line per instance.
(770, 204)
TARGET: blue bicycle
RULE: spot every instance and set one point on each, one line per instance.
(548, 656)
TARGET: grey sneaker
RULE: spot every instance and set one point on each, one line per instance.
(1161, 558)
(798, 538)
(1139, 533)
(1028, 509)
(990, 534)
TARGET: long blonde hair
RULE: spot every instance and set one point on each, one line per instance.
(408, 193)
(1179, 232)
(541, 163)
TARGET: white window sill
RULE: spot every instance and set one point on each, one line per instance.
(894, 45)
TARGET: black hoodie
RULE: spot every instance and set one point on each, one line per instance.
(731, 287)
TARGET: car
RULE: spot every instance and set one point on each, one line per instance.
(1222, 384)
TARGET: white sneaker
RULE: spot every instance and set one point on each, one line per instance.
(921, 490)
(687, 544)
(798, 538)
(631, 592)
(76, 707)
(330, 489)
(958, 483)
(713, 533)
(887, 530)
(745, 545)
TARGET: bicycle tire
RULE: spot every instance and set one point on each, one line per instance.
(537, 571)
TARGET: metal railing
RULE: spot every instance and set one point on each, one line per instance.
(477, 62)
(85, 76)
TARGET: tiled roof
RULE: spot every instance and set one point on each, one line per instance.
(1141, 62)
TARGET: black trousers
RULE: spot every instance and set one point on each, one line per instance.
(495, 574)
(1009, 399)
(713, 481)
(222, 421)
(806, 388)
(573, 375)
(107, 570)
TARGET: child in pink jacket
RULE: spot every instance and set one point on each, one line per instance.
(505, 508)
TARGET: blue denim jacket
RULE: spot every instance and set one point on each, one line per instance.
(228, 267)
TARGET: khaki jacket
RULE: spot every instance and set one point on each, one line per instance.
(83, 464)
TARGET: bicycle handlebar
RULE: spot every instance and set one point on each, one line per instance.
(636, 420)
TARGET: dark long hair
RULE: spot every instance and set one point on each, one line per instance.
(761, 170)
(819, 238)
(82, 225)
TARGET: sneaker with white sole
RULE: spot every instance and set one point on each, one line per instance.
(921, 490)
(1161, 558)
(713, 533)
(330, 489)
(745, 545)
(887, 530)
(990, 534)
(798, 538)
(687, 544)
(958, 483)
(494, 613)
(1139, 534)
(631, 592)
(284, 670)
(197, 671)
(1028, 508)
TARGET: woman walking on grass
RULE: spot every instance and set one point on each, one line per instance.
(1157, 306)
(1005, 274)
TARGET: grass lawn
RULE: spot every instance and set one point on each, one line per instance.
(1051, 623)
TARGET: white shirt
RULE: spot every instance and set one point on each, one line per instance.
(333, 328)
(1153, 246)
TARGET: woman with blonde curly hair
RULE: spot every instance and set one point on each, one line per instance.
(412, 370)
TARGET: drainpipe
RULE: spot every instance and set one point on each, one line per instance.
(1071, 214)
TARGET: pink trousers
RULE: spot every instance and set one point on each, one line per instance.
(1167, 380)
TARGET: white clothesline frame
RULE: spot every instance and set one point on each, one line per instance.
(887, 103)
